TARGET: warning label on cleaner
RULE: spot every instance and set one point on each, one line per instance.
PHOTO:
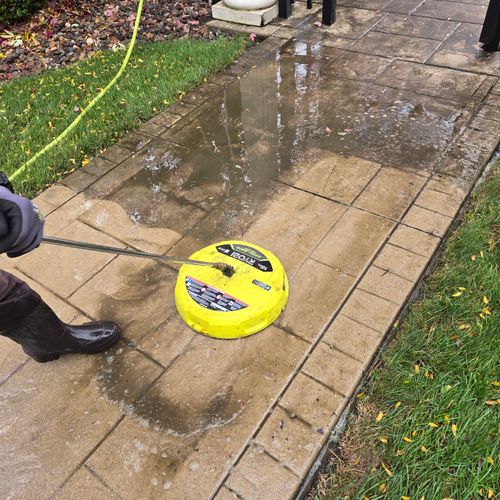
(211, 298)
(248, 255)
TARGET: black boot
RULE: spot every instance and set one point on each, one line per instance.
(44, 337)
(27, 320)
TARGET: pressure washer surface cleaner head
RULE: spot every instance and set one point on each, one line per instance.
(226, 305)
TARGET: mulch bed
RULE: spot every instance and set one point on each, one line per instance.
(68, 30)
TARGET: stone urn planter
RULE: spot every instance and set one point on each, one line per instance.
(251, 12)
(249, 4)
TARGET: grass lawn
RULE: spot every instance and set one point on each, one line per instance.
(34, 110)
(427, 424)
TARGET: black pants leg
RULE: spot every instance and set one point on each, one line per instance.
(490, 34)
(27, 320)
(17, 301)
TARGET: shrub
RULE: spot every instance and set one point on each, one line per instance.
(12, 10)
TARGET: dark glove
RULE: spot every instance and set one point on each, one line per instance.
(21, 226)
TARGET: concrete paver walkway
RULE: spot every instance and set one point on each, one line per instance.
(347, 151)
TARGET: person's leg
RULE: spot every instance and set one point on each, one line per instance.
(27, 320)
(490, 34)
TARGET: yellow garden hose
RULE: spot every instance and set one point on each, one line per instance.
(92, 103)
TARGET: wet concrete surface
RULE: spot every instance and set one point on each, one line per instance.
(266, 123)
(325, 149)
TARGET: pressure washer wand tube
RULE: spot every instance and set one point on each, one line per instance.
(226, 269)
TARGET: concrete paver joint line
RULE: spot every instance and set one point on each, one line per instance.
(340, 202)
(386, 271)
(442, 42)
(378, 296)
(333, 390)
(94, 473)
(83, 462)
(103, 439)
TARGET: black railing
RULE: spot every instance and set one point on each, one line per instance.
(329, 10)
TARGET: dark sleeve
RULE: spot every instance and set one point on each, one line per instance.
(4, 221)
(4, 227)
(10, 223)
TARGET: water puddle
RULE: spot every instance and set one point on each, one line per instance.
(266, 123)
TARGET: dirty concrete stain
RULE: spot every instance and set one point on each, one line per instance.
(189, 418)
(186, 428)
(144, 294)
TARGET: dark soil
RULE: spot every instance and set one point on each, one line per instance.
(67, 30)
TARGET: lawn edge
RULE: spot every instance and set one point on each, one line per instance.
(231, 71)
(343, 421)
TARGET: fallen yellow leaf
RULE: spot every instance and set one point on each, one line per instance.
(387, 470)
(424, 449)
(379, 417)
(407, 440)
(492, 402)
(383, 439)
(495, 383)
(462, 288)
(490, 493)
(472, 257)
(490, 460)
(405, 498)
(417, 369)
(454, 430)
(457, 294)
(464, 326)
(383, 488)
(398, 404)
(485, 300)
(432, 424)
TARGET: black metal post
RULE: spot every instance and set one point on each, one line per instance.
(329, 12)
(309, 4)
(284, 8)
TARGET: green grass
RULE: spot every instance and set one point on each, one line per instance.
(34, 110)
(438, 385)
